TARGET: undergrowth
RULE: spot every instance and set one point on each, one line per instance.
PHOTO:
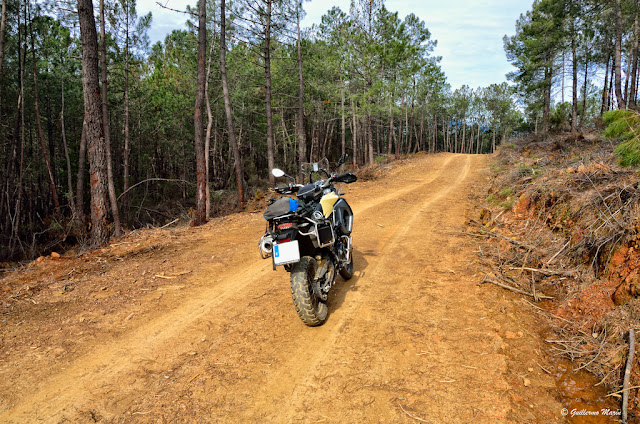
(562, 223)
(624, 125)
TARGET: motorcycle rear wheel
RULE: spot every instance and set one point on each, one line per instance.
(311, 309)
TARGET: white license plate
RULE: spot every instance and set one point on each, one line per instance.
(286, 253)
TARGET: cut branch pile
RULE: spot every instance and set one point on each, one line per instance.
(561, 226)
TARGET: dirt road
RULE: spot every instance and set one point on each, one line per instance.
(190, 325)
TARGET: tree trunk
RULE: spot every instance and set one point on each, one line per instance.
(105, 122)
(447, 143)
(52, 146)
(635, 93)
(343, 137)
(328, 137)
(66, 147)
(207, 138)
(634, 71)
(605, 87)
(563, 66)
(435, 133)
(82, 155)
(397, 139)
(127, 147)
(413, 122)
(15, 141)
(300, 116)
(464, 134)
(584, 89)
(493, 142)
(45, 153)
(618, 57)
(354, 136)
(201, 192)
(625, 91)
(390, 135)
(455, 138)
(370, 140)
(610, 98)
(16, 216)
(408, 128)
(18, 133)
(93, 118)
(420, 144)
(574, 80)
(267, 87)
(227, 108)
(3, 30)
(547, 99)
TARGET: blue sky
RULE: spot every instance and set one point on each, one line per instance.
(469, 32)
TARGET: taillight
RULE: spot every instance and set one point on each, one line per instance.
(284, 240)
(285, 226)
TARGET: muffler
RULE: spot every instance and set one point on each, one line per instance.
(265, 246)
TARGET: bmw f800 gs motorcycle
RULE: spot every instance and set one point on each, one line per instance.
(310, 236)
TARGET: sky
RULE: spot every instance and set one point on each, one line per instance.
(469, 32)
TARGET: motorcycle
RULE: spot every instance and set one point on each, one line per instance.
(310, 236)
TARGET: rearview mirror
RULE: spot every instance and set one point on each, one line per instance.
(343, 159)
(277, 172)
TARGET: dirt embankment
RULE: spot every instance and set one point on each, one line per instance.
(562, 220)
(189, 325)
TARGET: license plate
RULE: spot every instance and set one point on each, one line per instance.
(286, 253)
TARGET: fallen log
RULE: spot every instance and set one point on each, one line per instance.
(627, 375)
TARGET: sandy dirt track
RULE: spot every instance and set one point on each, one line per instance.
(190, 325)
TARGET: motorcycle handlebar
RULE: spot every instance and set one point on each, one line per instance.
(287, 189)
(344, 177)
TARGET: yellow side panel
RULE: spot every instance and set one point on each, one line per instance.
(327, 202)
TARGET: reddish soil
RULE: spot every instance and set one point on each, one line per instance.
(190, 325)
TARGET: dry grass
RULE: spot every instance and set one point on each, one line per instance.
(562, 219)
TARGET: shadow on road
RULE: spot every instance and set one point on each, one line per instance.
(339, 293)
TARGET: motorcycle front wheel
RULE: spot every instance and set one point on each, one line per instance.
(346, 271)
(311, 309)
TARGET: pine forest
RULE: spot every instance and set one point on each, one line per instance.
(102, 132)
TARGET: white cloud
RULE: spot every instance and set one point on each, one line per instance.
(164, 21)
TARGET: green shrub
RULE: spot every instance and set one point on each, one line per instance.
(560, 115)
(614, 115)
(628, 152)
(506, 192)
(504, 198)
(624, 125)
(524, 170)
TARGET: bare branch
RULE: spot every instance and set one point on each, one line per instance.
(176, 10)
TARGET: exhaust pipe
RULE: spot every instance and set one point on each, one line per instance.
(266, 246)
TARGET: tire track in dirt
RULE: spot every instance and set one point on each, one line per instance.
(406, 335)
(386, 300)
(92, 371)
(118, 357)
(284, 384)
(405, 189)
